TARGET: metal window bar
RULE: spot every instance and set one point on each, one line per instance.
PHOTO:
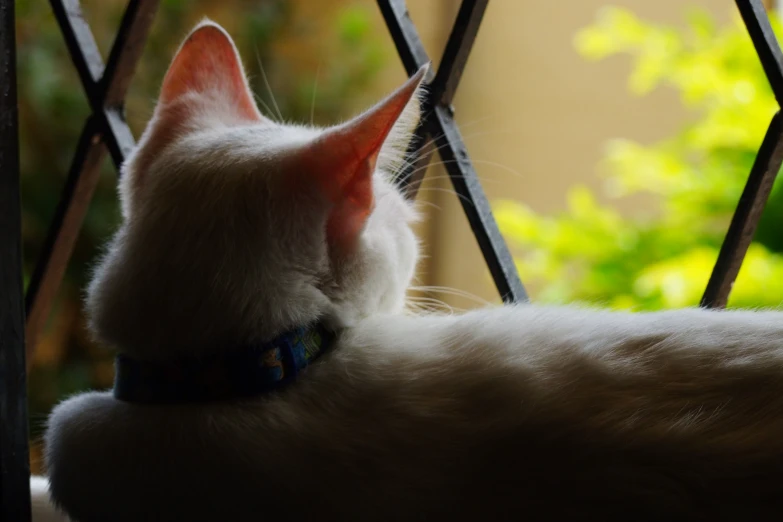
(105, 130)
(439, 128)
(765, 167)
(14, 460)
(438, 123)
(105, 88)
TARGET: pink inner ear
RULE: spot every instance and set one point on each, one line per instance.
(357, 143)
(208, 61)
(343, 162)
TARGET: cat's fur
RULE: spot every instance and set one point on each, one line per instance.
(511, 413)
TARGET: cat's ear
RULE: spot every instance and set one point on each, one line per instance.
(346, 160)
(205, 78)
(208, 64)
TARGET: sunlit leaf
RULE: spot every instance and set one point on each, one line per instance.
(589, 252)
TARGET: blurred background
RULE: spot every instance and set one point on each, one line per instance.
(613, 141)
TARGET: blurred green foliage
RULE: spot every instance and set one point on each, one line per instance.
(591, 252)
(315, 62)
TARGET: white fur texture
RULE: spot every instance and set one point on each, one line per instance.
(496, 413)
(511, 413)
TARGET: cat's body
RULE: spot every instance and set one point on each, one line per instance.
(237, 229)
(522, 413)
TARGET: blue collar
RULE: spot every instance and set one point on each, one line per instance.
(246, 372)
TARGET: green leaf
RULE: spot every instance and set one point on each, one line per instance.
(590, 253)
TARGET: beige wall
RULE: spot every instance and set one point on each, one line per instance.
(535, 116)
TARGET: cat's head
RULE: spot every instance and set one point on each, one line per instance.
(237, 228)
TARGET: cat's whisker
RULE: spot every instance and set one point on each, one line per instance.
(477, 161)
(446, 290)
(428, 304)
(447, 191)
(442, 134)
(435, 164)
(427, 311)
(268, 112)
(417, 310)
(412, 306)
(500, 166)
(425, 299)
(415, 154)
(451, 308)
(481, 178)
(268, 87)
(429, 204)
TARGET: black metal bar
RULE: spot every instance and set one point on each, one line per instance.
(126, 51)
(444, 85)
(80, 42)
(476, 206)
(116, 135)
(418, 156)
(458, 48)
(105, 87)
(765, 167)
(755, 17)
(406, 38)
(64, 230)
(88, 63)
(14, 450)
(746, 217)
(413, 55)
(439, 123)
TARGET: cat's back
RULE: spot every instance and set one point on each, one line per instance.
(561, 411)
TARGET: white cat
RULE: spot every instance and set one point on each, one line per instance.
(238, 230)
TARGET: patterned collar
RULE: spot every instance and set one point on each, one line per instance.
(246, 372)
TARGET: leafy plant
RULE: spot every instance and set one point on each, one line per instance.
(592, 253)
